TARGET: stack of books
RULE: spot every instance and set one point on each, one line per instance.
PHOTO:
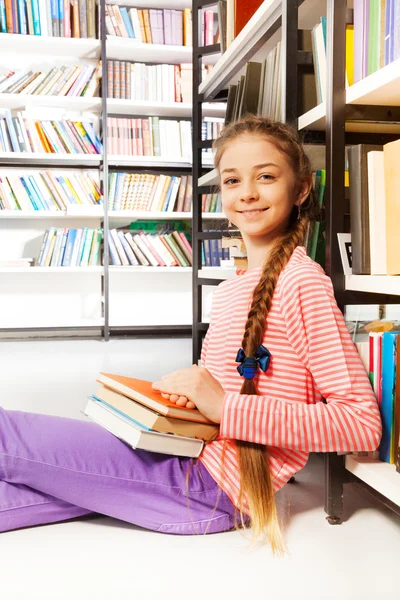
(131, 410)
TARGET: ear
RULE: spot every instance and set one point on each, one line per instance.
(303, 191)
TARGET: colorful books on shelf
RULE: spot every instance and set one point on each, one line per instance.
(150, 26)
(210, 26)
(67, 80)
(150, 136)
(69, 247)
(381, 357)
(211, 203)
(374, 208)
(134, 247)
(150, 193)
(213, 252)
(20, 133)
(65, 18)
(130, 409)
(232, 16)
(47, 190)
(149, 83)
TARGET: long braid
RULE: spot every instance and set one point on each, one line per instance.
(255, 477)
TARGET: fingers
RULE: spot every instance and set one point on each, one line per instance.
(179, 400)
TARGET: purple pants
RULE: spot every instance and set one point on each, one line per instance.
(53, 469)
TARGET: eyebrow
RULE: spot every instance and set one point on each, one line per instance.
(269, 164)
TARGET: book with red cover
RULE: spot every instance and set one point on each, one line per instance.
(244, 10)
(141, 391)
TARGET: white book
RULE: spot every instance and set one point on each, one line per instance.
(121, 252)
(142, 246)
(133, 14)
(129, 431)
(174, 194)
(138, 253)
(127, 249)
(377, 212)
(77, 248)
(162, 251)
(20, 193)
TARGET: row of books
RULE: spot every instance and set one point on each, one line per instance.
(211, 203)
(232, 17)
(150, 26)
(69, 247)
(21, 133)
(258, 90)
(150, 136)
(169, 249)
(65, 18)
(315, 236)
(151, 193)
(67, 80)
(47, 190)
(213, 253)
(135, 413)
(381, 357)
(210, 31)
(154, 83)
(376, 35)
(211, 127)
(374, 208)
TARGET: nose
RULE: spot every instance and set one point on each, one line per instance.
(249, 191)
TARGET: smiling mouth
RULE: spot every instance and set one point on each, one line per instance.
(254, 211)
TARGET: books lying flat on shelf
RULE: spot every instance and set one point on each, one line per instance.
(140, 438)
(47, 190)
(68, 80)
(150, 193)
(150, 419)
(141, 391)
(17, 262)
(20, 133)
(168, 249)
(66, 18)
(150, 26)
(374, 208)
(151, 136)
(149, 83)
(68, 247)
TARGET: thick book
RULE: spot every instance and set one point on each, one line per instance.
(141, 391)
(359, 207)
(150, 419)
(139, 437)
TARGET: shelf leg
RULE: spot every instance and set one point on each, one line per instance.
(334, 479)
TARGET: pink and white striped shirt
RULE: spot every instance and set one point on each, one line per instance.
(313, 357)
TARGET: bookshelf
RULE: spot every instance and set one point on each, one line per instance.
(110, 290)
(367, 110)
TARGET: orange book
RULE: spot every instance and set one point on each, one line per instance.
(391, 152)
(141, 23)
(244, 10)
(43, 138)
(75, 19)
(141, 391)
(147, 28)
(9, 16)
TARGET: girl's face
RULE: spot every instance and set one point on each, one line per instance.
(258, 188)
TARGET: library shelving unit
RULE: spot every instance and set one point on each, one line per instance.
(366, 112)
(105, 300)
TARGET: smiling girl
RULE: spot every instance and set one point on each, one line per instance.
(279, 373)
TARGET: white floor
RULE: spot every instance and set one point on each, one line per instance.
(103, 558)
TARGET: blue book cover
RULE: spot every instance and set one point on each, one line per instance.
(120, 413)
(207, 253)
(22, 17)
(33, 195)
(387, 30)
(38, 193)
(69, 248)
(214, 253)
(67, 190)
(127, 21)
(62, 250)
(3, 18)
(388, 388)
(36, 18)
(31, 198)
(92, 136)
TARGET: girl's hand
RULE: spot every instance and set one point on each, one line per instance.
(198, 386)
(179, 400)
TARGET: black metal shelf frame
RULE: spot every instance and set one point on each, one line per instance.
(335, 137)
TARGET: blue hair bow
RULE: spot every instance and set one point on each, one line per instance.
(249, 365)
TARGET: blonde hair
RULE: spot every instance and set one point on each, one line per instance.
(255, 476)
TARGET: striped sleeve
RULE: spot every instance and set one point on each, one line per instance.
(350, 418)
